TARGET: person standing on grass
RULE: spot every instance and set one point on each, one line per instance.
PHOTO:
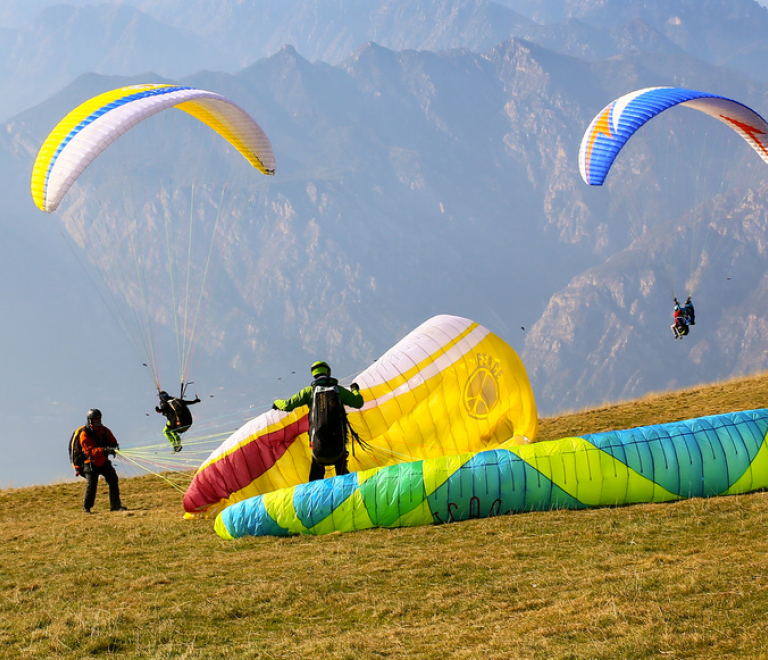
(328, 425)
(98, 444)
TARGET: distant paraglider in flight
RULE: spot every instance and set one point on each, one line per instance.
(613, 127)
(155, 234)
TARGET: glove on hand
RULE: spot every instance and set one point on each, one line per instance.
(354, 386)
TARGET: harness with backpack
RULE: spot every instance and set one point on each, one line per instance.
(181, 412)
(329, 428)
(327, 424)
(76, 453)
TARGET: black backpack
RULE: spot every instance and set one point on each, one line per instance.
(76, 455)
(327, 424)
(182, 412)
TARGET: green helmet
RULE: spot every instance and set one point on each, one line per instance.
(320, 369)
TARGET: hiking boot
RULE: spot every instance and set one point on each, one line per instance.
(119, 508)
(176, 448)
(86, 510)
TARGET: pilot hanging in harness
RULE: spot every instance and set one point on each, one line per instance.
(684, 316)
(328, 425)
(178, 415)
(690, 313)
(679, 327)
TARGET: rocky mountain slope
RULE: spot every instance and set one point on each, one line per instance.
(412, 181)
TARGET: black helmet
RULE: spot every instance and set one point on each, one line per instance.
(94, 413)
(163, 395)
(320, 369)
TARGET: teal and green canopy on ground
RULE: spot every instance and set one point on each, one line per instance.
(709, 456)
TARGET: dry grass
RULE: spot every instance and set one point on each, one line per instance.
(739, 394)
(684, 580)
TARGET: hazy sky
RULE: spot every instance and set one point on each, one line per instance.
(54, 370)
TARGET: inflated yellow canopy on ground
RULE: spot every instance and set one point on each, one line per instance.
(449, 387)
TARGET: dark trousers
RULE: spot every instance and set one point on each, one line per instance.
(92, 473)
(317, 470)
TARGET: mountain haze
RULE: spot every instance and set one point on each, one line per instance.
(180, 37)
(426, 164)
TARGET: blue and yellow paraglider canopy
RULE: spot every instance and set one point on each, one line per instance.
(80, 137)
(617, 122)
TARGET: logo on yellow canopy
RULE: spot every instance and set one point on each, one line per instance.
(481, 392)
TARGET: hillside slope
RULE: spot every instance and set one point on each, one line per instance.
(634, 582)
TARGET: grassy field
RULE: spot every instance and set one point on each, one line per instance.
(681, 580)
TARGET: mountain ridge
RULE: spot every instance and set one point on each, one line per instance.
(410, 183)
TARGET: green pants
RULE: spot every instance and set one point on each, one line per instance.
(171, 435)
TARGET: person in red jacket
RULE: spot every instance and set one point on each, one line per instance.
(680, 326)
(98, 445)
